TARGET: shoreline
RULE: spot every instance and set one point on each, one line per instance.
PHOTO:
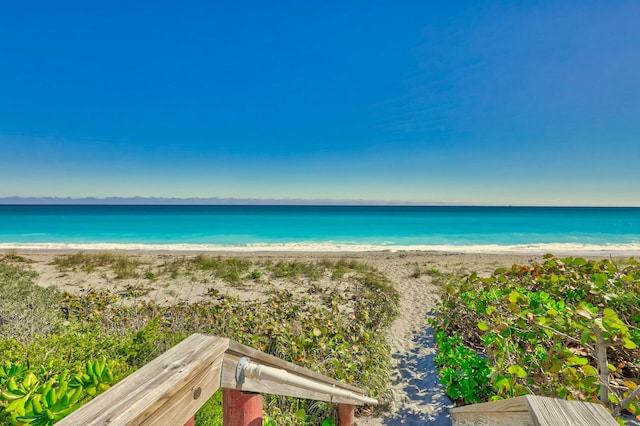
(559, 249)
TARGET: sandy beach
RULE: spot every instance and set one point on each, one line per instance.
(414, 396)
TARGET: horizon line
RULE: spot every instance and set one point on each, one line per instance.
(230, 201)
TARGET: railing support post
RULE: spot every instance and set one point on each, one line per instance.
(241, 409)
(346, 414)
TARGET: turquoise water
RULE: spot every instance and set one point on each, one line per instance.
(321, 228)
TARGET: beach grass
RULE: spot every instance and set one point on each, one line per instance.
(123, 266)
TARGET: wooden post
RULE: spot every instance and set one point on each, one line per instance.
(191, 422)
(346, 414)
(241, 409)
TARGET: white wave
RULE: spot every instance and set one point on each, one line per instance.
(628, 249)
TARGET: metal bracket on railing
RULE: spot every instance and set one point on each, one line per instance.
(248, 369)
(242, 364)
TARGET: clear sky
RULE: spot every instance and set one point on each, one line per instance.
(481, 102)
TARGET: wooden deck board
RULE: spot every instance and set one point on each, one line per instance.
(551, 411)
(532, 410)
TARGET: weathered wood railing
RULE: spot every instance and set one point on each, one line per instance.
(171, 388)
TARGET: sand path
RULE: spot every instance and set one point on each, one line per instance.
(416, 396)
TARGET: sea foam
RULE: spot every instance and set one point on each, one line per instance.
(629, 249)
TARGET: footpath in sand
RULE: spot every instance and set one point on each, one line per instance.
(416, 396)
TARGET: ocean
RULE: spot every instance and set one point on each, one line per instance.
(590, 230)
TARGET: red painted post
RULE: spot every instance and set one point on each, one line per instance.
(191, 421)
(346, 414)
(241, 409)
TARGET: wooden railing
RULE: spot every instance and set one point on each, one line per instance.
(171, 388)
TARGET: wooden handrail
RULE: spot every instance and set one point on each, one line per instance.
(172, 387)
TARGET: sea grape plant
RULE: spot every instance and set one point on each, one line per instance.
(566, 328)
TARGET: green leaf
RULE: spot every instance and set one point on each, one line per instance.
(502, 384)
(29, 381)
(483, 326)
(517, 370)
(629, 344)
(589, 383)
(17, 406)
(91, 390)
(62, 389)
(50, 398)
(585, 336)
(8, 396)
(577, 360)
(514, 296)
(13, 386)
(600, 280)
(514, 308)
(614, 325)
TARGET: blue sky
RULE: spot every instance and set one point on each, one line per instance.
(455, 102)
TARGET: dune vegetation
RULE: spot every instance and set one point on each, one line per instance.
(61, 349)
(566, 328)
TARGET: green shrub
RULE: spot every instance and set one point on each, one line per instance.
(464, 374)
(544, 328)
(40, 396)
